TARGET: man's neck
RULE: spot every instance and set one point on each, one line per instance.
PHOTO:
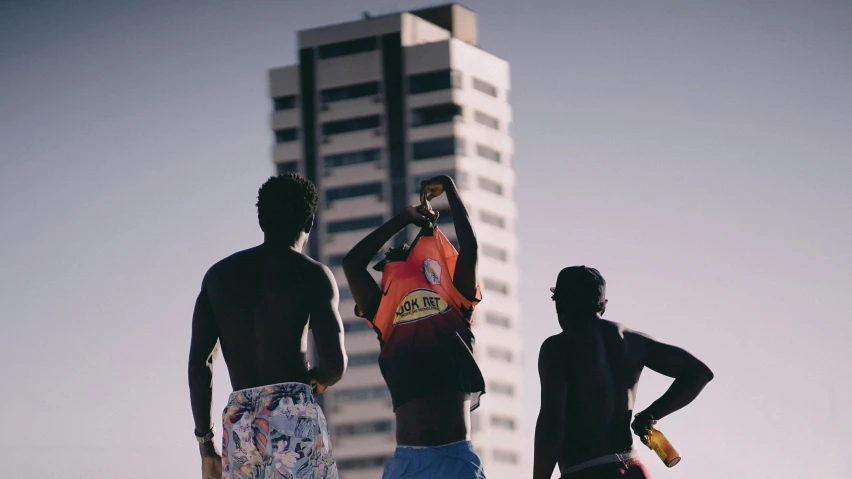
(579, 319)
(278, 243)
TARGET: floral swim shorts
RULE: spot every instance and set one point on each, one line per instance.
(276, 432)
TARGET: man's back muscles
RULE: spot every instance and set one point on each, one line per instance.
(262, 299)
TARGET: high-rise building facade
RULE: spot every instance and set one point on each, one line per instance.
(374, 107)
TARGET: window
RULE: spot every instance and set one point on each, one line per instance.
(287, 167)
(349, 92)
(356, 326)
(498, 319)
(352, 158)
(437, 147)
(504, 389)
(491, 186)
(486, 120)
(345, 293)
(505, 456)
(488, 153)
(363, 359)
(355, 224)
(371, 462)
(353, 191)
(460, 177)
(432, 81)
(503, 422)
(351, 124)
(286, 135)
(496, 286)
(494, 352)
(362, 394)
(455, 243)
(350, 47)
(485, 87)
(284, 102)
(364, 428)
(494, 252)
(492, 219)
(435, 114)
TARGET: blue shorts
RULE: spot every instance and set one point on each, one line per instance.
(450, 461)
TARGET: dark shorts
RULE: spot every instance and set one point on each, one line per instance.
(628, 469)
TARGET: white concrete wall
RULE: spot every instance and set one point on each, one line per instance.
(416, 31)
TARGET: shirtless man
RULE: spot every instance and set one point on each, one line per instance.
(589, 376)
(427, 363)
(259, 304)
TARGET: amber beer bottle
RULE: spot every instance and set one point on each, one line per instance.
(659, 444)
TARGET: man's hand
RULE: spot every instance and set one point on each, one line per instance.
(642, 426)
(317, 387)
(433, 188)
(419, 215)
(211, 465)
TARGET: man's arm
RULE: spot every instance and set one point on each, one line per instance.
(365, 291)
(464, 278)
(550, 427)
(203, 350)
(690, 376)
(327, 329)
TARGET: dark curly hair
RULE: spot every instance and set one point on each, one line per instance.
(286, 204)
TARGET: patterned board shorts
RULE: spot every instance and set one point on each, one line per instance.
(276, 432)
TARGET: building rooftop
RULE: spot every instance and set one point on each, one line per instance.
(457, 19)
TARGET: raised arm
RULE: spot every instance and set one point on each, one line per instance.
(464, 278)
(690, 376)
(327, 329)
(365, 291)
(550, 427)
(203, 350)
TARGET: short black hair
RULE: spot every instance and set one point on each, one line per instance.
(285, 205)
(582, 288)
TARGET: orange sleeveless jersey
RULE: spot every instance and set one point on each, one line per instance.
(424, 323)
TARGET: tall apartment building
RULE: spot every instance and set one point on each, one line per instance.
(374, 107)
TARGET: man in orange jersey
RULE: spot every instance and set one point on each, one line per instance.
(422, 314)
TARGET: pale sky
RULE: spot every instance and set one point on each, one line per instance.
(698, 153)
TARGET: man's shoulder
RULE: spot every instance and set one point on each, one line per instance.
(553, 345)
(620, 328)
(635, 340)
(226, 265)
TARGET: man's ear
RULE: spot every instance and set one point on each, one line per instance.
(309, 225)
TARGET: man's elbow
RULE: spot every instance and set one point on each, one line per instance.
(703, 373)
(339, 368)
(334, 369)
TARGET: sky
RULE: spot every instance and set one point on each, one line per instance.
(698, 153)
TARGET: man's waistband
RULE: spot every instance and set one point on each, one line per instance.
(599, 461)
(280, 389)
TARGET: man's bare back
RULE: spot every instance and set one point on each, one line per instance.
(262, 299)
(258, 304)
(589, 379)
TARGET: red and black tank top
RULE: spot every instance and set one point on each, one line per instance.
(424, 324)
